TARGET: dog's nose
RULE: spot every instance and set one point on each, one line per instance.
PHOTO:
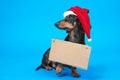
(56, 24)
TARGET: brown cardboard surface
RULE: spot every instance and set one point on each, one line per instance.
(69, 53)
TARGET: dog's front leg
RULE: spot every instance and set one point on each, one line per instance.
(58, 68)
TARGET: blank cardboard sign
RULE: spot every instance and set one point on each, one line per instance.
(69, 53)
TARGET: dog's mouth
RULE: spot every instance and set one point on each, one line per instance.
(65, 28)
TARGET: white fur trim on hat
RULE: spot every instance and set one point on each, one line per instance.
(68, 13)
(89, 40)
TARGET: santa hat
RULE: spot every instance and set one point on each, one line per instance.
(83, 17)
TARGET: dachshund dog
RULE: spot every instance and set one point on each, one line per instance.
(76, 34)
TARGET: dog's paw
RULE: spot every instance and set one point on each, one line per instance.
(75, 74)
(58, 69)
(48, 68)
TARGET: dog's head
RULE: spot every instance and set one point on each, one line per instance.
(68, 23)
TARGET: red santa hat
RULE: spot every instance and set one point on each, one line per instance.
(83, 17)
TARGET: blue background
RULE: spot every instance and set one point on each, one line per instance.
(27, 27)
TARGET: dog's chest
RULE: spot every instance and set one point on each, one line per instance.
(72, 39)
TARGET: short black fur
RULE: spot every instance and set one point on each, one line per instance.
(75, 34)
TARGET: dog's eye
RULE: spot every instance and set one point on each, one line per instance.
(66, 20)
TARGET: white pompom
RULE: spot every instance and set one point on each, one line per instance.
(89, 40)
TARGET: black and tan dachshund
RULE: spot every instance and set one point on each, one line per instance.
(76, 34)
